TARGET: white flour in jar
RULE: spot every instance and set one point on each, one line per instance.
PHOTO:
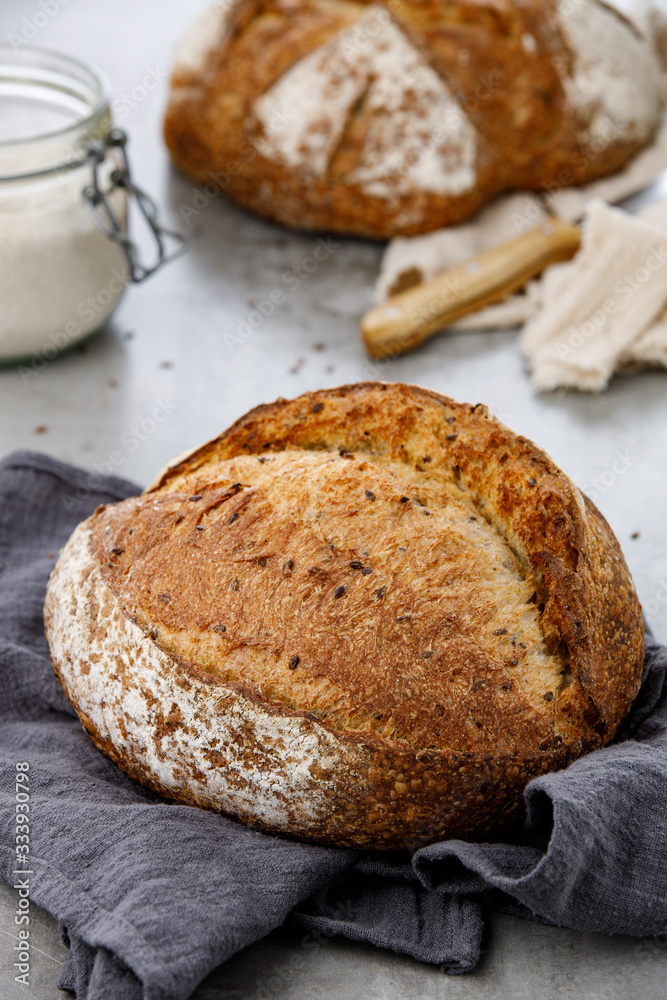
(60, 276)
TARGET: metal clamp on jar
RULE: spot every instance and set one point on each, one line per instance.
(65, 185)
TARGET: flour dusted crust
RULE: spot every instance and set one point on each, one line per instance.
(395, 118)
(367, 616)
(370, 61)
(603, 92)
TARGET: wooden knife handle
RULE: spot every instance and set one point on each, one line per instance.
(406, 320)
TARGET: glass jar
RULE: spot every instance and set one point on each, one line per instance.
(61, 277)
(65, 254)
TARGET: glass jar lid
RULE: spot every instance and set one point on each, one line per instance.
(52, 107)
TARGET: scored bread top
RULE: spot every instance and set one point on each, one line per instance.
(399, 567)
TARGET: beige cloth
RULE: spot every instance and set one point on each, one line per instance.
(606, 310)
(614, 245)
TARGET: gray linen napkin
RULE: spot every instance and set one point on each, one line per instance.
(151, 896)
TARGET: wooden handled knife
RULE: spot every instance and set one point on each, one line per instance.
(406, 320)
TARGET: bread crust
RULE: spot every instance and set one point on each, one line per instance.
(292, 110)
(203, 731)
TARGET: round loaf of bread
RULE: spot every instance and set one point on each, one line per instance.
(380, 119)
(367, 616)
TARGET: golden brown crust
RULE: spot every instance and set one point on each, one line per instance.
(576, 561)
(510, 69)
(485, 557)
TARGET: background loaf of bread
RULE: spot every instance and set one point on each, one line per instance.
(379, 119)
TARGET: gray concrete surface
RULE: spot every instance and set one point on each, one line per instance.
(165, 348)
